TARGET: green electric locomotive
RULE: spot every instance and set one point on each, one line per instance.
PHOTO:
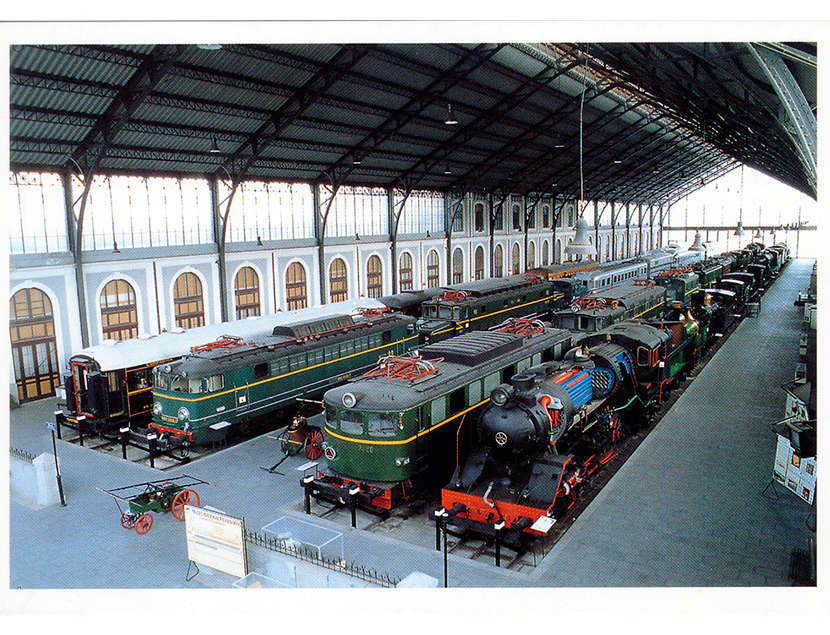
(396, 430)
(482, 304)
(220, 387)
(639, 299)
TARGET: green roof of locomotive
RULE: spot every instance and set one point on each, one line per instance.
(463, 359)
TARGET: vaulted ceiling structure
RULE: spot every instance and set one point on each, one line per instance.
(645, 123)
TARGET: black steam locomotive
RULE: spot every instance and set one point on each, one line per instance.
(556, 424)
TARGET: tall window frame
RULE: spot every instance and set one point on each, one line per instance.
(296, 286)
(479, 263)
(374, 277)
(405, 272)
(457, 266)
(188, 301)
(246, 292)
(119, 310)
(433, 269)
(338, 280)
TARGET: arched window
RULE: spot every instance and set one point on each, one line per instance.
(374, 277)
(405, 270)
(545, 216)
(246, 289)
(479, 273)
(517, 217)
(531, 255)
(545, 253)
(457, 266)
(557, 256)
(517, 262)
(188, 304)
(296, 292)
(433, 269)
(498, 262)
(34, 347)
(479, 217)
(119, 313)
(338, 282)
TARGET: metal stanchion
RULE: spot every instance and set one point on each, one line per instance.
(53, 427)
(125, 435)
(353, 492)
(152, 439)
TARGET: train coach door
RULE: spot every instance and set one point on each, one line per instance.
(79, 377)
(242, 403)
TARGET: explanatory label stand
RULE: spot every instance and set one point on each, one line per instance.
(216, 541)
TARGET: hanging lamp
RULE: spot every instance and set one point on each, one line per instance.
(580, 245)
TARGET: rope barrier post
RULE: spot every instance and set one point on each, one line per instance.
(58, 422)
(444, 531)
(498, 527)
(353, 492)
(125, 435)
(81, 419)
(151, 441)
(307, 485)
(438, 515)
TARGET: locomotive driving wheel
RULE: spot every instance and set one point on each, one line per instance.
(314, 444)
(185, 497)
(144, 523)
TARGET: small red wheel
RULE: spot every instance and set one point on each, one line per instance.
(144, 523)
(128, 520)
(314, 444)
(185, 497)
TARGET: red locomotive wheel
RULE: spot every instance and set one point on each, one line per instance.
(128, 520)
(314, 444)
(144, 523)
(185, 497)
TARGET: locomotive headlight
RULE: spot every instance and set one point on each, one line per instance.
(501, 394)
(157, 408)
(184, 414)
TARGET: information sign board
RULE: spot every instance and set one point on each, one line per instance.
(215, 540)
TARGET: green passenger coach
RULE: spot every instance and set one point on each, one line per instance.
(397, 429)
(219, 388)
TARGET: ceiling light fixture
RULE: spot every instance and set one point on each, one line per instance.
(450, 120)
(214, 147)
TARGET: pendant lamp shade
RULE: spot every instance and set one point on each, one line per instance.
(739, 230)
(580, 245)
(697, 245)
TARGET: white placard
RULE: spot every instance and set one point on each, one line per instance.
(215, 540)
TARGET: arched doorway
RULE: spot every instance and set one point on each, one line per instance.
(34, 346)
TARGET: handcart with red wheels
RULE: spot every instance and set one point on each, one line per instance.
(164, 495)
(299, 436)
